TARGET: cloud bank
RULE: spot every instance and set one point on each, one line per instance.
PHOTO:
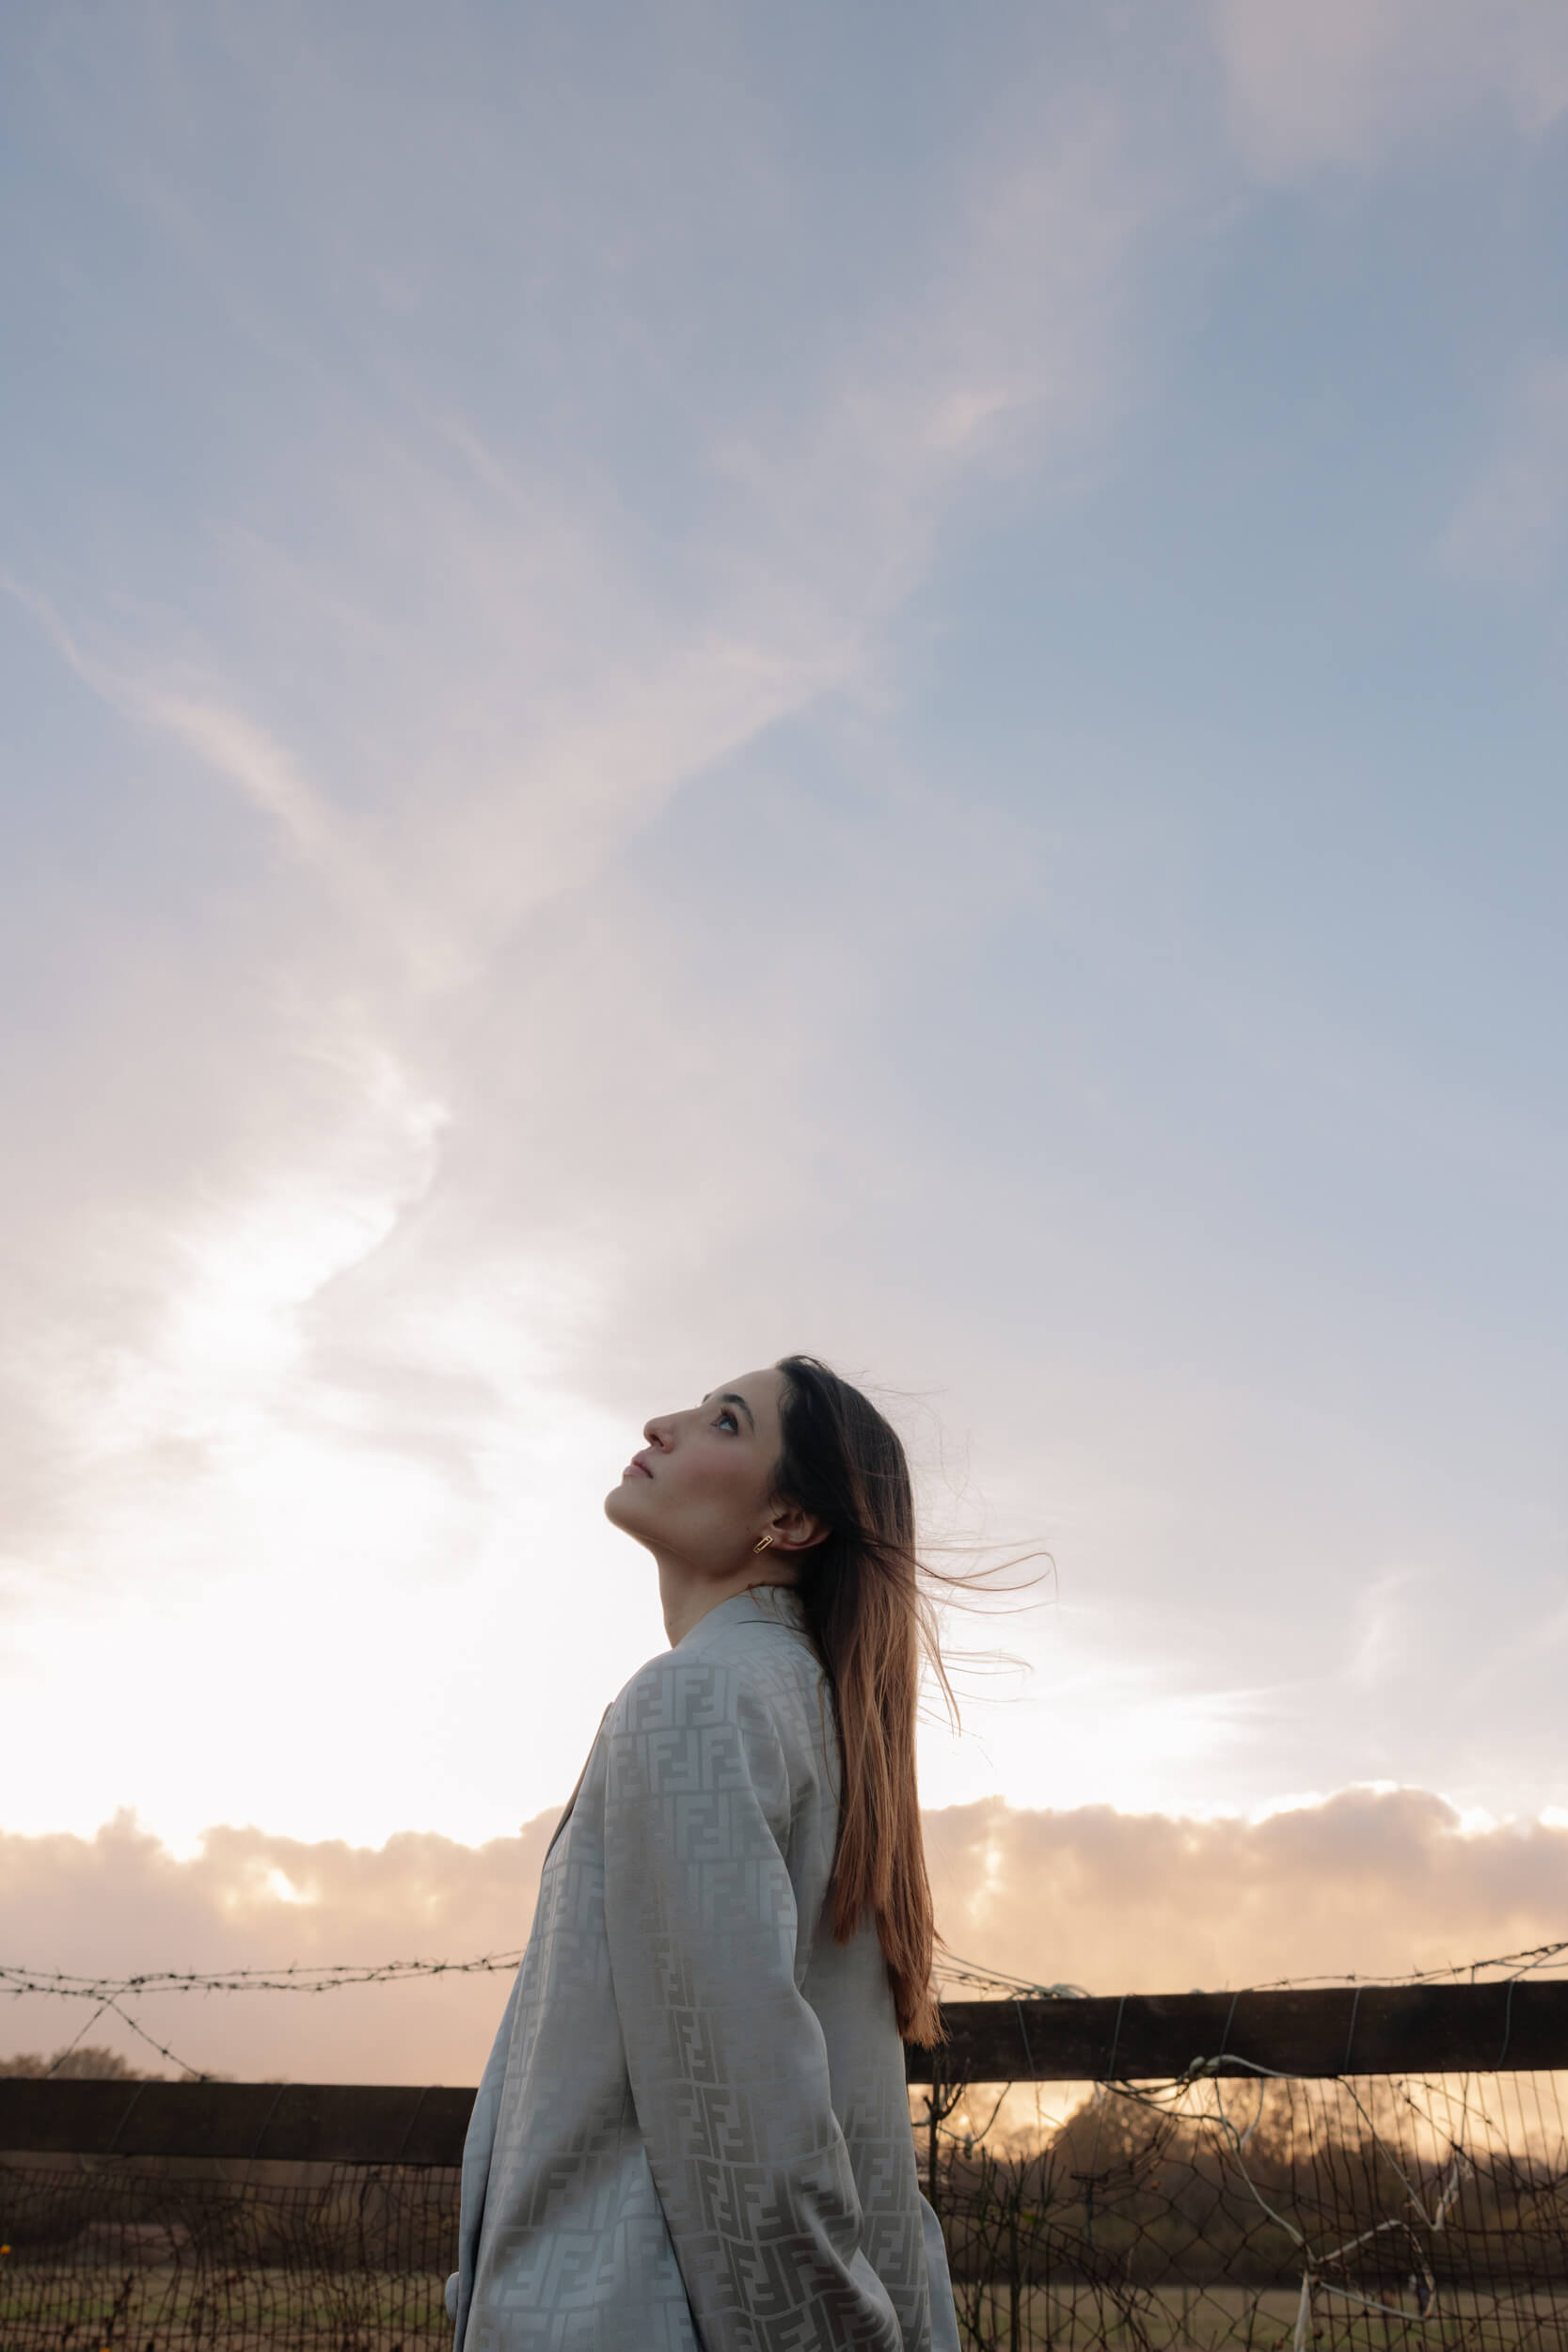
(1368, 1882)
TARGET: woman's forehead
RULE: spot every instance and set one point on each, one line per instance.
(762, 1392)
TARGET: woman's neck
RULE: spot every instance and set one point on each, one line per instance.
(688, 1597)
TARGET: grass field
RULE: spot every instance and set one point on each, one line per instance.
(179, 2308)
(1254, 2319)
(175, 2308)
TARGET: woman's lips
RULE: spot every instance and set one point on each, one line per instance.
(637, 1470)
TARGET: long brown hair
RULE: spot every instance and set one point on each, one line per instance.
(871, 1625)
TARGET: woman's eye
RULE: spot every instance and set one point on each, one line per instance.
(726, 1421)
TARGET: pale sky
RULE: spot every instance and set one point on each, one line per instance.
(690, 681)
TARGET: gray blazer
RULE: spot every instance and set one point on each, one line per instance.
(693, 2134)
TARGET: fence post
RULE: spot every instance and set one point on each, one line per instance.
(1015, 2314)
(933, 2110)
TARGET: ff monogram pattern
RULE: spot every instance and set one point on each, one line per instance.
(692, 2134)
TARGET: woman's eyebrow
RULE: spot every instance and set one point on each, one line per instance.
(732, 1396)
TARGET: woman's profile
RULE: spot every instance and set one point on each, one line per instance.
(692, 2134)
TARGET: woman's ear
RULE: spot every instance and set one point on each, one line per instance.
(794, 1530)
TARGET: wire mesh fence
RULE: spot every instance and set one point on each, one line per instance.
(1121, 2196)
(1366, 2211)
(1361, 2212)
(168, 2254)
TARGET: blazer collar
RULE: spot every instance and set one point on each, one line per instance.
(763, 1604)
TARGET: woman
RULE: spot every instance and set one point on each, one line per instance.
(693, 2134)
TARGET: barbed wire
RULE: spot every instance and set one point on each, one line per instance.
(108, 1994)
(1521, 1964)
(326, 1978)
(952, 1970)
(109, 2008)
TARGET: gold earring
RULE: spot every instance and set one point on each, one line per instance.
(763, 1544)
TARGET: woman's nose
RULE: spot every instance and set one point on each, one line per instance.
(657, 1431)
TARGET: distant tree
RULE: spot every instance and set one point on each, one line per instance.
(89, 2064)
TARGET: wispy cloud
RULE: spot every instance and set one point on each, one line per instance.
(224, 741)
(1381, 1615)
(1315, 83)
(1508, 527)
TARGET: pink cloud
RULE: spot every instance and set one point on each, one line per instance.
(1368, 1882)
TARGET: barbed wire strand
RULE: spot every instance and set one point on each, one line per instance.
(329, 1977)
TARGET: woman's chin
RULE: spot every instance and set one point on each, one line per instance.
(620, 1504)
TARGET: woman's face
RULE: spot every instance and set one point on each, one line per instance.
(701, 1491)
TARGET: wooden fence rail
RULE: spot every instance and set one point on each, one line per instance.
(1347, 2030)
(1373, 2030)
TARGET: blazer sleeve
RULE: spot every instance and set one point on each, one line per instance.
(477, 2145)
(726, 2059)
